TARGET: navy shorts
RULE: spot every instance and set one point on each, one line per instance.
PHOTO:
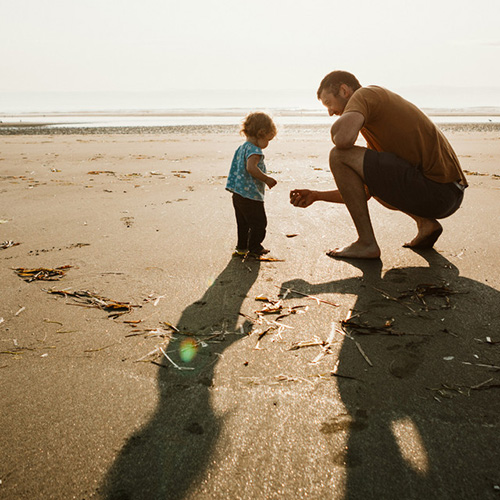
(404, 186)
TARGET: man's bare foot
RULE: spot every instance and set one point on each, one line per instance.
(356, 250)
(429, 230)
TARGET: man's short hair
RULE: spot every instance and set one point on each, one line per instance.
(333, 81)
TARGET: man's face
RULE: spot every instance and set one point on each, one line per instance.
(335, 104)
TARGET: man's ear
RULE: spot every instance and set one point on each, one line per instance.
(344, 90)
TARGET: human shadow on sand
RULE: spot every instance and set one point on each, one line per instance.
(419, 422)
(165, 457)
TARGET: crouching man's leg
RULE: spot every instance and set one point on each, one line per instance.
(428, 230)
(347, 169)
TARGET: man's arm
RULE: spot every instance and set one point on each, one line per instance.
(305, 197)
(345, 130)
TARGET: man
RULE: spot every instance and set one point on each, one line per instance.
(408, 165)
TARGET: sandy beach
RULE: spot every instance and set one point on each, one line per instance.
(100, 399)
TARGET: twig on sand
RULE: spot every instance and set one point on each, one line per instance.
(261, 336)
(482, 365)
(174, 363)
(99, 349)
(326, 346)
(306, 343)
(41, 273)
(312, 297)
(8, 244)
(390, 297)
(360, 349)
(358, 345)
(85, 298)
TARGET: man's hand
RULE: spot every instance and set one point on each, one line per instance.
(302, 197)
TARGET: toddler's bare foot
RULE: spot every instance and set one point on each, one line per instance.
(356, 250)
(429, 230)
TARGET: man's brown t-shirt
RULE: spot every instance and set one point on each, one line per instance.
(395, 125)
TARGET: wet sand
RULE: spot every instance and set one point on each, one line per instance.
(411, 410)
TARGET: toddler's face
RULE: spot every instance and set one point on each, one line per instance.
(264, 141)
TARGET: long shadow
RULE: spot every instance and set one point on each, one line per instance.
(166, 456)
(415, 430)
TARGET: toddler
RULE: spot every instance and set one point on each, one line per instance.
(247, 180)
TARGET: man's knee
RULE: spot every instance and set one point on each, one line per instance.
(351, 157)
(335, 156)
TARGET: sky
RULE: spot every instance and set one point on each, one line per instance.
(150, 45)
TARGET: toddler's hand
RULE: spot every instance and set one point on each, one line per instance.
(271, 182)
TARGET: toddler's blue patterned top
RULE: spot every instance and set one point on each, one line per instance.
(239, 180)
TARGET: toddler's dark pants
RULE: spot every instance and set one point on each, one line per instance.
(252, 222)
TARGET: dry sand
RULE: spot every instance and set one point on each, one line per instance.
(415, 417)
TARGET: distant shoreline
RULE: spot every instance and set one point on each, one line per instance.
(232, 112)
(42, 129)
(170, 120)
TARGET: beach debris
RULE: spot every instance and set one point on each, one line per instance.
(263, 298)
(151, 332)
(261, 258)
(363, 328)
(154, 352)
(154, 298)
(42, 273)
(335, 373)
(99, 348)
(312, 297)
(482, 365)
(342, 331)
(360, 349)
(469, 172)
(84, 298)
(133, 322)
(20, 311)
(487, 340)
(291, 235)
(449, 391)
(128, 221)
(277, 307)
(390, 297)
(172, 327)
(445, 330)
(47, 320)
(180, 368)
(275, 380)
(8, 244)
(261, 336)
(420, 292)
(315, 341)
(326, 347)
(17, 350)
(54, 249)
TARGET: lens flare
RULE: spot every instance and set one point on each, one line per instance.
(188, 350)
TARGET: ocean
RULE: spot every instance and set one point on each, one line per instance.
(223, 107)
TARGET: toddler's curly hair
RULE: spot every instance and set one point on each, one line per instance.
(258, 125)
